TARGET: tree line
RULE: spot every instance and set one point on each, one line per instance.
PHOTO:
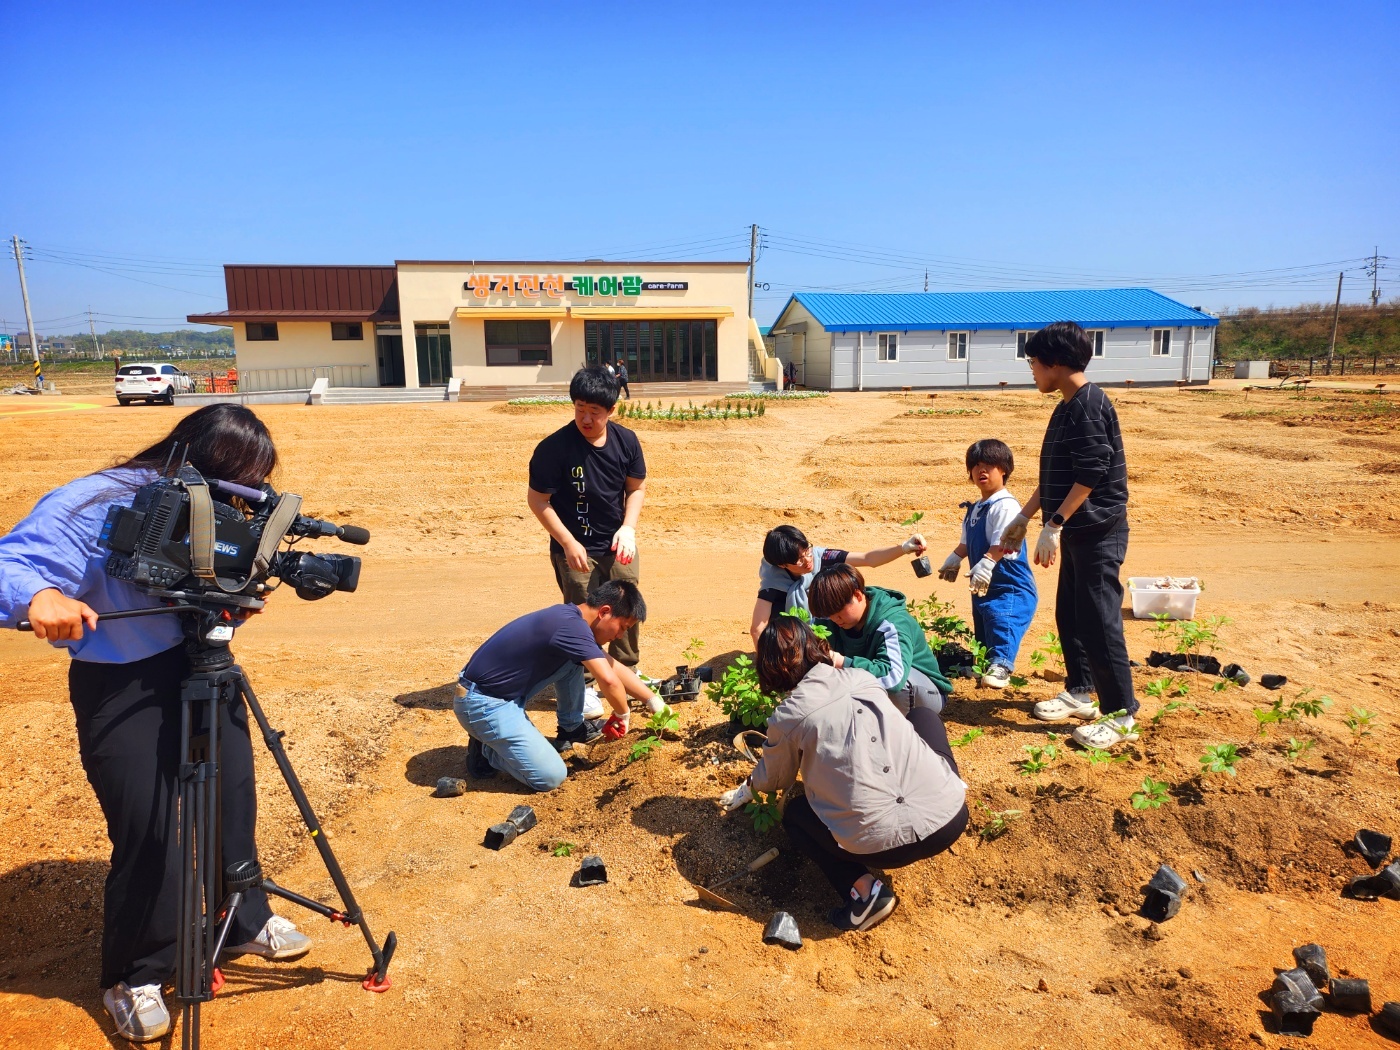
(131, 339)
(1300, 332)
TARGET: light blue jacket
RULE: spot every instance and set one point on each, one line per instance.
(56, 546)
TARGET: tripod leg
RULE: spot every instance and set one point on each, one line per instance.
(378, 977)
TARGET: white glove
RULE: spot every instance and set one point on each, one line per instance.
(1014, 533)
(624, 541)
(948, 571)
(655, 704)
(982, 575)
(1047, 546)
(914, 544)
(739, 796)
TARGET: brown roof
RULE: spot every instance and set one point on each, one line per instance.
(307, 293)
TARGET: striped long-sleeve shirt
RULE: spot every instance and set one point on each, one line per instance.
(1084, 445)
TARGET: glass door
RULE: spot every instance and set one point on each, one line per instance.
(434, 345)
(388, 351)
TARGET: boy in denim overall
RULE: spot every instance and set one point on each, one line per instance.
(1004, 597)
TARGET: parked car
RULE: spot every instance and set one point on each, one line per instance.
(152, 383)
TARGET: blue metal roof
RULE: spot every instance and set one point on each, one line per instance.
(923, 311)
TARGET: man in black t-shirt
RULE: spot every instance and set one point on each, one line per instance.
(587, 484)
(1083, 496)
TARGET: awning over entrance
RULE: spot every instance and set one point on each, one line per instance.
(650, 313)
(512, 313)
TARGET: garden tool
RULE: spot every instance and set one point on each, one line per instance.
(709, 895)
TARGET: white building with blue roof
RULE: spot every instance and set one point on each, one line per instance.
(884, 341)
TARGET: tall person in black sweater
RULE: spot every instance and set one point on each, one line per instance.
(1083, 498)
(587, 484)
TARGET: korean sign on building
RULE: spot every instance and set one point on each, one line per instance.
(553, 285)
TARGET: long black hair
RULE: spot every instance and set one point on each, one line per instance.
(227, 442)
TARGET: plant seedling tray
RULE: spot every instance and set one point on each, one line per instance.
(678, 690)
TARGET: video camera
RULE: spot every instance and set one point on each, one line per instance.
(178, 539)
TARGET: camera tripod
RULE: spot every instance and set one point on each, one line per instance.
(210, 893)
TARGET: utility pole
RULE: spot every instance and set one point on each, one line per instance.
(1375, 269)
(753, 258)
(1336, 312)
(28, 314)
(96, 348)
(925, 280)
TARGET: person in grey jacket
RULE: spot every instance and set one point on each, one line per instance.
(879, 789)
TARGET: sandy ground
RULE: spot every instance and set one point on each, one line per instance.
(1284, 505)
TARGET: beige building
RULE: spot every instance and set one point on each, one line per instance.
(486, 323)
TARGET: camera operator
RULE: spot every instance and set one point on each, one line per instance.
(124, 683)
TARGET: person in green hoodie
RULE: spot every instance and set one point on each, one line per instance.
(872, 629)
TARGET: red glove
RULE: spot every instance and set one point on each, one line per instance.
(615, 728)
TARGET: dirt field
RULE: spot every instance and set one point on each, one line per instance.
(1284, 505)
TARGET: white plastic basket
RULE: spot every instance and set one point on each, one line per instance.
(1150, 600)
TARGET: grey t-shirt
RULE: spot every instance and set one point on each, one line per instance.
(783, 590)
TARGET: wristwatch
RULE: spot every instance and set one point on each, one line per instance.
(1057, 519)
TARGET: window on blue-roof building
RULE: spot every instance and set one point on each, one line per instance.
(957, 346)
(889, 346)
(1162, 342)
(1096, 337)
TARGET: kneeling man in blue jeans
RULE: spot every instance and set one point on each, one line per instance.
(540, 649)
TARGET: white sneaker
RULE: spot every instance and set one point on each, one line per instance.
(592, 704)
(1066, 705)
(998, 676)
(139, 1012)
(1105, 733)
(278, 939)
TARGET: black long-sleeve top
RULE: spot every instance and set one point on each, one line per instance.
(1083, 444)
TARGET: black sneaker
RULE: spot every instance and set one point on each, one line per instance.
(865, 913)
(589, 731)
(479, 766)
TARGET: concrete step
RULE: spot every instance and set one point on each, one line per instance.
(385, 395)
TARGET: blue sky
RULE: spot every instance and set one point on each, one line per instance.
(1196, 148)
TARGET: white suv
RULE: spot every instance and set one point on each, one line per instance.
(151, 383)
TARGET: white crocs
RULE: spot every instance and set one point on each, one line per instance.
(1066, 705)
(592, 704)
(1104, 734)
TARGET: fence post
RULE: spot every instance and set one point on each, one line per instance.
(1344, 366)
(1373, 363)
(1310, 365)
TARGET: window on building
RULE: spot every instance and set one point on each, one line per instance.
(262, 332)
(1096, 337)
(517, 342)
(889, 346)
(1021, 338)
(655, 350)
(1162, 342)
(957, 346)
(347, 330)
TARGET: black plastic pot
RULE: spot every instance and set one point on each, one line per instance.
(922, 567)
(1163, 899)
(521, 820)
(1388, 1020)
(1238, 673)
(1373, 846)
(450, 787)
(782, 929)
(1313, 960)
(592, 872)
(1292, 1016)
(679, 690)
(1350, 996)
(1273, 681)
(1385, 883)
(1300, 984)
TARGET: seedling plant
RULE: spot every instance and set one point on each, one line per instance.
(1303, 705)
(821, 630)
(1295, 749)
(1220, 758)
(764, 812)
(738, 694)
(1097, 757)
(967, 738)
(692, 650)
(998, 822)
(1151, 795)
(1041, 756)
(1359, 722)
(1051, 652)
(913, 519)
(662, 722)
(562, 849)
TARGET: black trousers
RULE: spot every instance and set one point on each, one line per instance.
(1089, 617)
(841, 867)
(129, 737)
